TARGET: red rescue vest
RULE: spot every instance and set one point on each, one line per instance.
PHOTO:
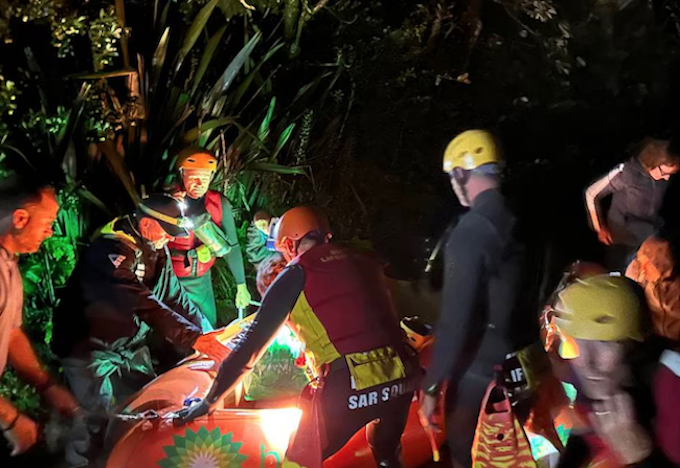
(345, 306)
(183, 250)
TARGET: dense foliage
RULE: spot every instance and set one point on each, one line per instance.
(346, 104)
(101, 111)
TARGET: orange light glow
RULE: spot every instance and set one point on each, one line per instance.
(278, 425)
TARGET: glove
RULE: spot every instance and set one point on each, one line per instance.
(209, 345)
(188, 414)
(204, 253)
(242, 296)
(22, 435)
(61, 400)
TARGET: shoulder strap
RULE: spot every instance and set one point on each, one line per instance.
(108, 232)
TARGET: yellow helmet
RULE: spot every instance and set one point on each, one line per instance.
(471, 149)
(601, 308)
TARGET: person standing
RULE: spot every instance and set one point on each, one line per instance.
(637, 189)
(484, 322)
(655, 270)
(214, 234)
(257, 248)
(337, 302)
(27, 213)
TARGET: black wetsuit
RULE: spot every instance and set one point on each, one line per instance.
(483, 317)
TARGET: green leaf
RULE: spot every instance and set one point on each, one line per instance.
(193, 134)
(229, 74)
(73, 118)
(19, 152)
(103, 74)
(277, 168)
(243, 87)
(194, 32)
(263, 133)
(106, 388)
(104, 369)
(206, 58)
(89, 196)
(164, 15)
(158, 59)
(120, 169)
(283, 139)
(311, 85)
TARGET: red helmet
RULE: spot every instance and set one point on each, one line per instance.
(298, 222)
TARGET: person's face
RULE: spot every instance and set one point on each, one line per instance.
(262, 225)
(33, 224)
(459, 189)
(196, 181)
(153, 232)
(663, 171)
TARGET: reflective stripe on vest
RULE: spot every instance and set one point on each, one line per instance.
(345, 311)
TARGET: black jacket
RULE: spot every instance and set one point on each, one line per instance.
(487, 311)
(636, 201)
(119, 282)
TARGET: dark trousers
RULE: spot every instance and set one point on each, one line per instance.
(333, 413)
(666, 391)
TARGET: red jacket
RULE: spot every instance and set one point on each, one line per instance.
(185, 264)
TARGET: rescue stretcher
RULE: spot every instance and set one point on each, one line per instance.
(247, 434)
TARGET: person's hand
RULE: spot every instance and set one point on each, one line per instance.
(428, 408)
(23, 435)
(61, 400)
(191, 412)
(210, 345)
(604, 236)
(242, 296)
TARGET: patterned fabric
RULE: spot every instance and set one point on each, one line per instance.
(500, 441)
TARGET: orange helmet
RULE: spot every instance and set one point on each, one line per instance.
(195, 157)
(297, 222)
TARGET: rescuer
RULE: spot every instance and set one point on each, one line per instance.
(124, 285)
(487, 318)
(27, 213)
(655, 270)
(637, 188)
(257, 250)
(336, 300)
(213, 234)
(595, 319)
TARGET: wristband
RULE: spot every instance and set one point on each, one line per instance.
(13, 423)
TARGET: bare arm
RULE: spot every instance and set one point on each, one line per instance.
(25, 361)
(596, 191)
